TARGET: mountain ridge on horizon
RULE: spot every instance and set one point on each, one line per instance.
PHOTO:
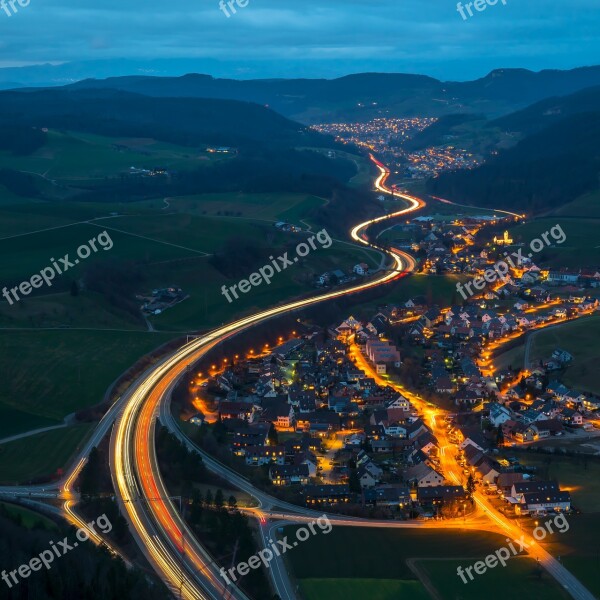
(362, 96)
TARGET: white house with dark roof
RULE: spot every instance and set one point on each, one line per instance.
(499, 414)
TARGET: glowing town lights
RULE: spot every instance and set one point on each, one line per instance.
(136, 473)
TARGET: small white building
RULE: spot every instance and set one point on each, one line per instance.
(361, 269)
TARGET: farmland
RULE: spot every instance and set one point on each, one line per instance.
(24, 460)
(351, 562)
(580, 248)
(581, 338)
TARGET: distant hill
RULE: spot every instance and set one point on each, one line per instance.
(368, 95)
(438, 132)
(272, 153)
(465, 130)
(185, 121)
(544, 170)
(549, 111)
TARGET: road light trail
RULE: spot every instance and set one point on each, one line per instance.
(156, 524)
(160, 530)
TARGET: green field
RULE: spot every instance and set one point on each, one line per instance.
(262, 207)
(587, 206)
(169, 248)
(356, 563)
(75, 156)
(14, 421)
(395, 234)
(49, 374)
(581, 247)
(368, 556)
(578, 546)
(359, 589)
(447, 212)
(520, 573)
(28, 518)
(60, 309)
(578, 549)
(382, 553)
(582, 339)
(61, 352)
(41, 454)
(511, 358)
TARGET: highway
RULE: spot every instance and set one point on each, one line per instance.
(153, 517)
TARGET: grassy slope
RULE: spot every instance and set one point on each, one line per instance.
(578, 546)
(582, 340)
(580, 248)
(581, 478)
(42, 454)
(587, 206)
(358, 589)
(520, 572)
(28, 518)
(54, 373)
(72, 156)
(350, 563)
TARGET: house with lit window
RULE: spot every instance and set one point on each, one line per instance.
(281, 475)
(256, 456)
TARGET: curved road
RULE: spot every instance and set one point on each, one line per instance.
(162, 533)
(153, 517)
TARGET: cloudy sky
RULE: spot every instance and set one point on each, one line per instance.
(317, 38)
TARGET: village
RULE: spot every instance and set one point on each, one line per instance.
(357, 416)
(320, 420)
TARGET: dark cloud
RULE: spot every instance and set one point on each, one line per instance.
(322, 38)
